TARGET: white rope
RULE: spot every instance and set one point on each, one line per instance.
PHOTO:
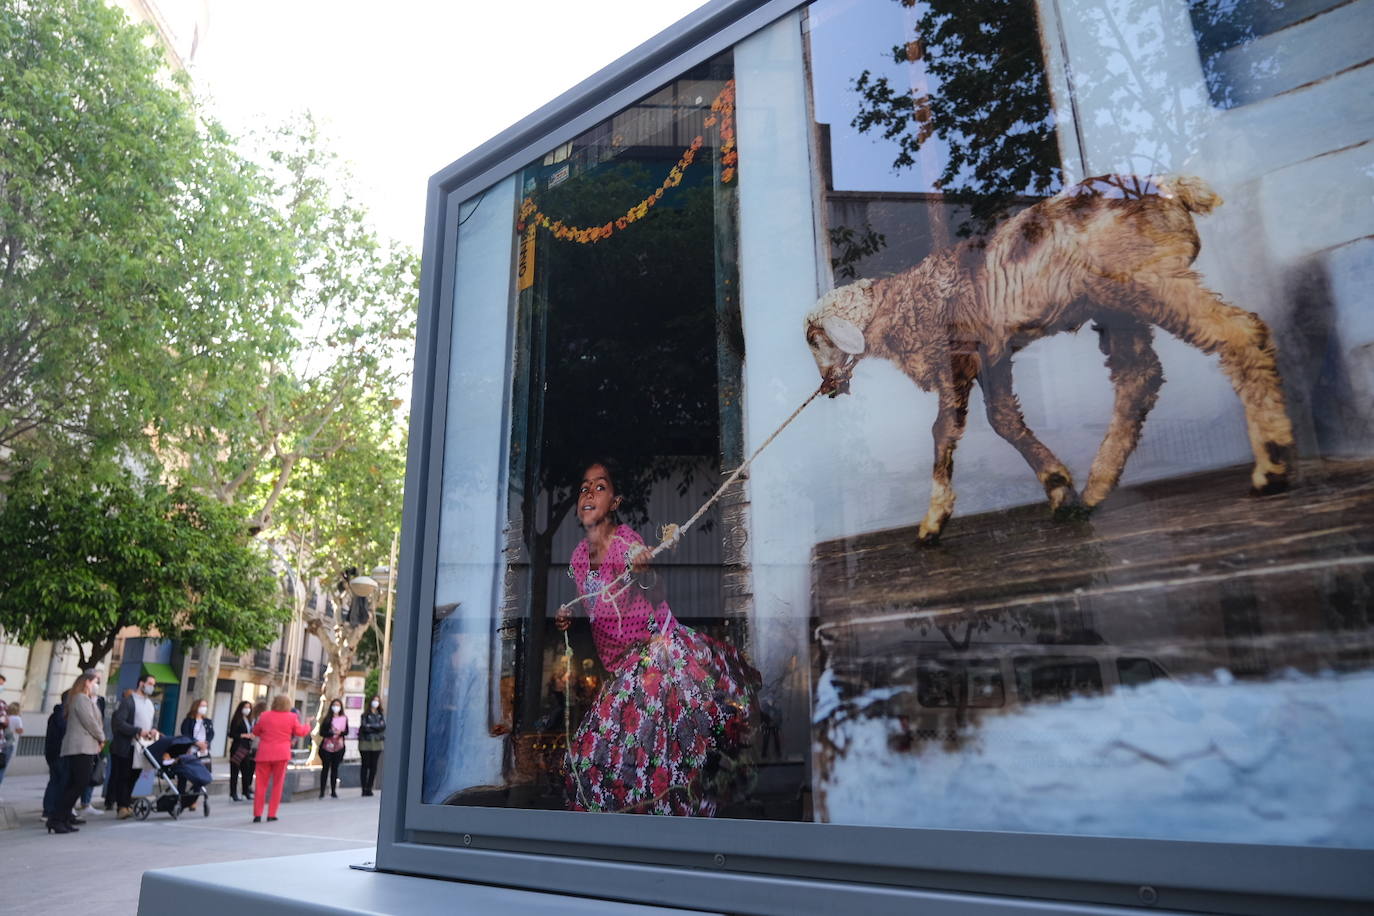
(671, 534)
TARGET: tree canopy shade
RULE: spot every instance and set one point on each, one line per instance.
(81, 560)
(133, 240)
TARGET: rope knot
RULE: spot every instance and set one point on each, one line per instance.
(668, 536)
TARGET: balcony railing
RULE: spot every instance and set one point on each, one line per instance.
(281, 662)
(262, 658)
(307, 669)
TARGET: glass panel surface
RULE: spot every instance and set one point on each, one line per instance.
(1160, 565)
(615, 682)
(1042, 332)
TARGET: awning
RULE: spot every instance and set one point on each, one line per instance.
(163, 673)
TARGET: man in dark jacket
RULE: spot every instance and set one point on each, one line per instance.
(132, 719)
(57, 764)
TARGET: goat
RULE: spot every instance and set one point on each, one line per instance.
(1115, 250)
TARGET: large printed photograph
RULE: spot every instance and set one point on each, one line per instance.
(930, 414)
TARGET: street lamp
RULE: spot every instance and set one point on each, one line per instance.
(382, 574)
(362, 586)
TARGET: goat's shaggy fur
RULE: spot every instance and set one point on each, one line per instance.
(1115, 250)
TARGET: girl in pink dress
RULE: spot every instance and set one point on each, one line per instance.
(672, 729)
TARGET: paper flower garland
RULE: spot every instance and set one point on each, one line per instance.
(722, 113)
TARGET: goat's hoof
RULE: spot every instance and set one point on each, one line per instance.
(927, 538)
(1072, 512)
(1065, 504)
(1273, 483)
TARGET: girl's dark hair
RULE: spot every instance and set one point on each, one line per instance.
(612, 470)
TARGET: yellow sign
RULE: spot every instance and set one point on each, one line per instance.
(525, 278)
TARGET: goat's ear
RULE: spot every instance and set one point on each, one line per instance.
(843, 334)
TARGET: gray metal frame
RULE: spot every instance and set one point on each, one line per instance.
(746, 866)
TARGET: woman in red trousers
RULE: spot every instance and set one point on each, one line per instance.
(275, 729)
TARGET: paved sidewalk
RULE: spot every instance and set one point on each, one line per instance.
(97, 871)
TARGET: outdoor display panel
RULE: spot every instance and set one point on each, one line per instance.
(872, 448)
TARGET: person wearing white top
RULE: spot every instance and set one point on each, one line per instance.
(132, 722)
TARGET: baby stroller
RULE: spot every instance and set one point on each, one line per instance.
(157, 789)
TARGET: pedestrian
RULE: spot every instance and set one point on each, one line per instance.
(333, 729)
(57, 764)
(198, 727)
(371, 734)
(84, 806)
(241, 751)
(80, 748)
(9, 737)
(275, 729)
(132, 722)
(11, 727)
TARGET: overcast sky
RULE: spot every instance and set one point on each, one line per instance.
(406, 87)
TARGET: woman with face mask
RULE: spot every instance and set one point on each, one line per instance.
(81, 745)
(198, 727)
(241, 762)
(371, 733)
(333, 729)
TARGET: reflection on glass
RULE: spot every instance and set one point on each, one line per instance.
(624, 409)
(672, 729)
(1119, 254)
(1157, 647)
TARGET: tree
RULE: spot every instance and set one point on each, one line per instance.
(351, 300)
(84, 555)
(991, 106)
(133, 240)
(341, 515)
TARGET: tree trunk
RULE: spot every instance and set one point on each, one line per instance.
(208, 674)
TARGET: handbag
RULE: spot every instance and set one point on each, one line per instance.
(98, 772)
(242, 753)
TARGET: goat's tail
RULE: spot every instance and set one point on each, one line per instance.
(1194, 193)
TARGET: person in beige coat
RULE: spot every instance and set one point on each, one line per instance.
(80, 748)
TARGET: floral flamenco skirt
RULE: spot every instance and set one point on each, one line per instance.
(672, 732)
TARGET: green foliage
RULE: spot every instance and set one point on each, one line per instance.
(341, 377)
(373, 686)
(168, 300)
(991, 107)
(83, 555)
(347, 508)
(134, 244)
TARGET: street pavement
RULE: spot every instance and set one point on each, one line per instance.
(97, 871)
